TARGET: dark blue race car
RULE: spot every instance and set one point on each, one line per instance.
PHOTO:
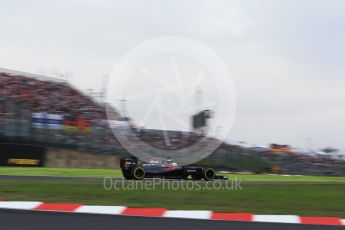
(164, 169)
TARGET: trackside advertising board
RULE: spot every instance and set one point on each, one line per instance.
(21, 155)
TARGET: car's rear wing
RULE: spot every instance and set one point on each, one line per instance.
(128, 161)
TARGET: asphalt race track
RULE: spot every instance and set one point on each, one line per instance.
(35, 220)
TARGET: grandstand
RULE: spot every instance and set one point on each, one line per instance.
(50, 112)
(59, 114)
(39, 77)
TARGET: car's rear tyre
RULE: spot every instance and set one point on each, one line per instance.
(138, 173)
(208, 174)
(127, 175)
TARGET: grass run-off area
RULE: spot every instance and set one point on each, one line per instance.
(116, 173)
(298, 195)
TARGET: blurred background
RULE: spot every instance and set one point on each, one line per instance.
(286, 142)
(50, 113)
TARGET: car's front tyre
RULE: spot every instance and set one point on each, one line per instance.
(208, 174)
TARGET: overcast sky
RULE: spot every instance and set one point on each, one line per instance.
(286, 57)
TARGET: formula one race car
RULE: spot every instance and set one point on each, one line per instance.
(165, 169)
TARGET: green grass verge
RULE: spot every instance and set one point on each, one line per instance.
(292, 195)
(262, 198)
(27, 171)
(66, 172)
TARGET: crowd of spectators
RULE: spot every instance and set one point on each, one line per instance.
(49, 96)
(57, 97)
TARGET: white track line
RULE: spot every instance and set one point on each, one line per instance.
(277, 218)
(101, 209)
(188, 214)
(25, 205)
